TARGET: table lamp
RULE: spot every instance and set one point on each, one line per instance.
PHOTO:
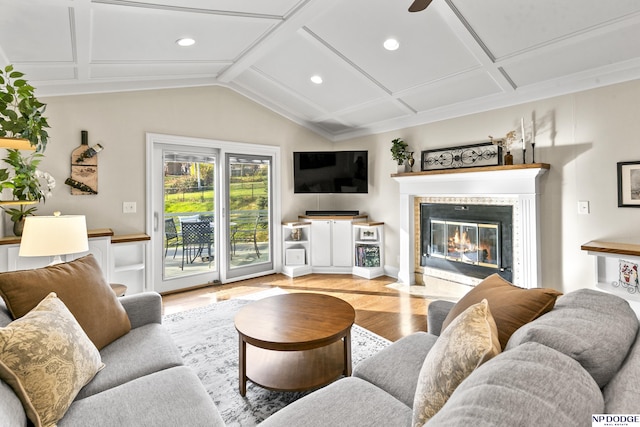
(54, 236)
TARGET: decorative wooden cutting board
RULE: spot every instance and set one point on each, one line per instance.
(84, 168)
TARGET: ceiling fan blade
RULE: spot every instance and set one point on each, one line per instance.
(419, 5)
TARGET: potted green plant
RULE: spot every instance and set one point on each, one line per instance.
(21, 114)
(27, 183)
(399, 152)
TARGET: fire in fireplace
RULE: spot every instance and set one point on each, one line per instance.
(473, 240)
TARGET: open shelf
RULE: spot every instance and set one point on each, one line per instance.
(616, 269)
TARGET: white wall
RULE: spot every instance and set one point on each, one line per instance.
(582, 136)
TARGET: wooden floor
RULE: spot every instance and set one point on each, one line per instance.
(387, 312)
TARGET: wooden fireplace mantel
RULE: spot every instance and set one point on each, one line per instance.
(500, 168)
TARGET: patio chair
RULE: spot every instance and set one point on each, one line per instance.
(196, 236)
(171, 236)
(246, 231)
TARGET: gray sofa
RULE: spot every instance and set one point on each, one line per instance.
(579, 359)
(144, 382)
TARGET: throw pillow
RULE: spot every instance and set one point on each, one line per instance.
(511, 306)
(46, 358)
(82, 288)
(470, 340)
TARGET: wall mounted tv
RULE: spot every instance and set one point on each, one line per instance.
(330, 172)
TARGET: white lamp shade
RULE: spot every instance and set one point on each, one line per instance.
(54, 235)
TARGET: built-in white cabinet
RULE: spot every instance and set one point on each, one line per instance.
(121, 258)
(331, 243)
(296, 244)
(128, 261)
(331, 249)
(368, 249)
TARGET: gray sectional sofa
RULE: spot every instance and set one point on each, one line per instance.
(143, 383)
(580, 358)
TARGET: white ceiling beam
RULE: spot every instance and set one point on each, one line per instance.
(461, 28)
(291, 23)
(80, 19)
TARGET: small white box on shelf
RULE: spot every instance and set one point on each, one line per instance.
(294, 257)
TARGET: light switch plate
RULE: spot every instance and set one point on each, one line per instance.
(128, 207)
(583, 207)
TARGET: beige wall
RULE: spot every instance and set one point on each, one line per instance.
(582, 136)
(120, 121)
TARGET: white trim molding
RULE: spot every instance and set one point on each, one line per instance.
(507, 185)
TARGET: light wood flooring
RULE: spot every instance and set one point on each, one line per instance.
(387, 312)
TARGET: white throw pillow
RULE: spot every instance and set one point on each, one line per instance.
(470, 340)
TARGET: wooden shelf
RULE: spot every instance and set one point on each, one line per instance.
(98, 232)
(127, 238)
(294, 223)
(476, 169)
(612, 248)
(16, 143)
(367, 224)
(332, 217)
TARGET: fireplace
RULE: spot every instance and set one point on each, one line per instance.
(472, 240)
(516, 252)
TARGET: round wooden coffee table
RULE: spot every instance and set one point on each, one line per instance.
(294, 342)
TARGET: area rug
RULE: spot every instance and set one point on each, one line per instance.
(208, 342)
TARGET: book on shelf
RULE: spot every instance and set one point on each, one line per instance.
(367, 255)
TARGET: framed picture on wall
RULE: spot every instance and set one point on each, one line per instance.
(629, 184)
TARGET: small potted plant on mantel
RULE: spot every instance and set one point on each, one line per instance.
(22, 127)
(399, 153)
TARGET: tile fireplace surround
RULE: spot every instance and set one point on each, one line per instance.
(515, 185)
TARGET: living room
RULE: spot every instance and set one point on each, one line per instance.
(583, 123)
(591, 133)
(582, 135)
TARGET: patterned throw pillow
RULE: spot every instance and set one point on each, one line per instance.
(470, 340)
(46, 358)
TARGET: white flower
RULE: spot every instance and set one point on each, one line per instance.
(50, 180)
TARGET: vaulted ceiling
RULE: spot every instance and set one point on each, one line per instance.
(456, 57)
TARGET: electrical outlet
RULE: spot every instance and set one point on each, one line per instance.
(583, 207)
(128, 207)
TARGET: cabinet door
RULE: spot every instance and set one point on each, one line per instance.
(342, 247)
(321, 240)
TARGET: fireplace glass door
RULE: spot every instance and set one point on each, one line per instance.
(466, 242)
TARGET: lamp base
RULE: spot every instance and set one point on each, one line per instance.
(56, 260)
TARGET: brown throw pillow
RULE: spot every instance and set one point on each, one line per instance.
(80, 285)
(511, 306)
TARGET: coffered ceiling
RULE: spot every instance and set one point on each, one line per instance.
(454, 58)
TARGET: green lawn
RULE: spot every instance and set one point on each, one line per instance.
(243, 196)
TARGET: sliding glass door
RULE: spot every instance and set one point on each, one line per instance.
(210, 210)
(249, 224)
(186, 218)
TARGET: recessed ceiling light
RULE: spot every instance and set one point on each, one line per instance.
(391, 44)
(186, 41)
(316, 79)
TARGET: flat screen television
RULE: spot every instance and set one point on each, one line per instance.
(330, 172)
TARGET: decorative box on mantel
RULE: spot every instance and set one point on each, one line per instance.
(511, 185)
